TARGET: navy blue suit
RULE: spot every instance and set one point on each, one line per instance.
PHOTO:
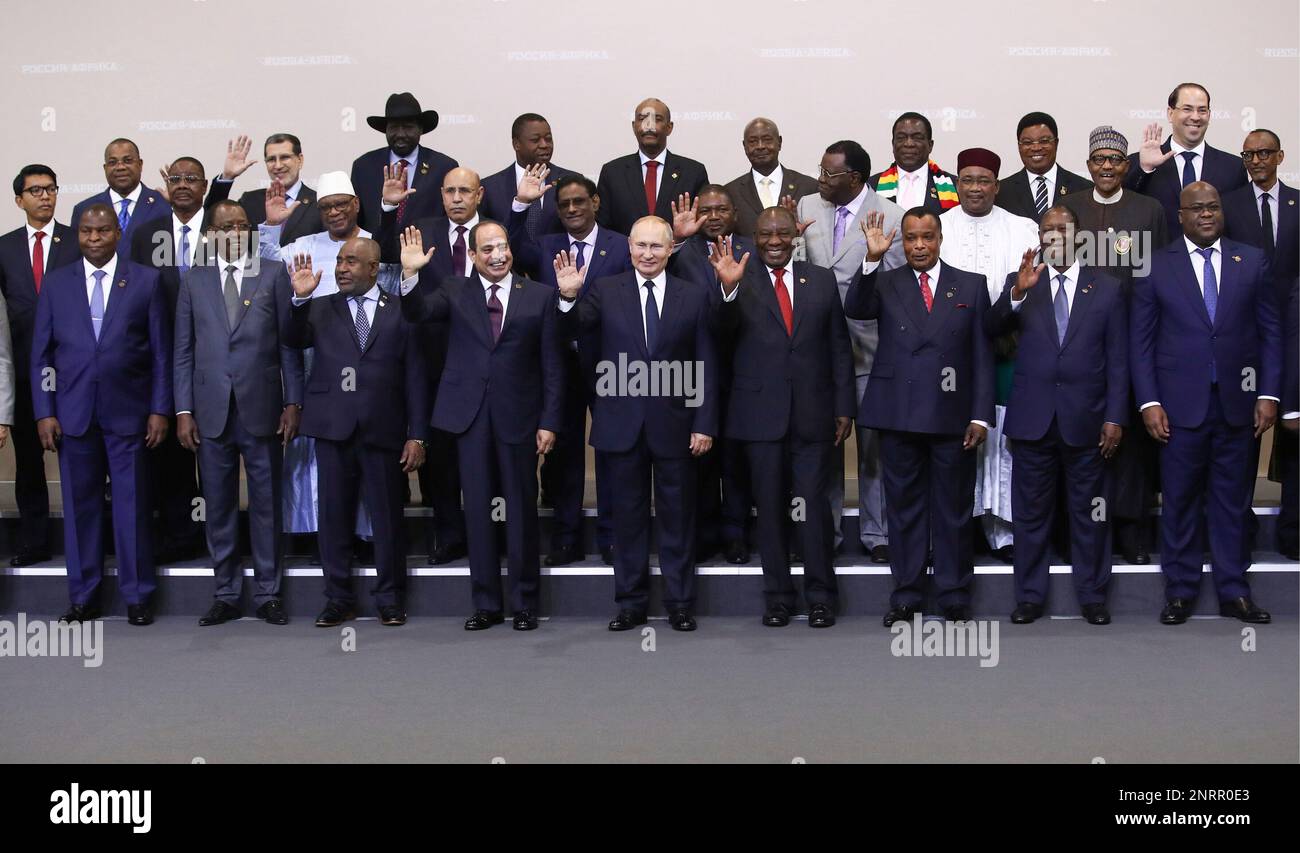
(1221, 170)
(1062, 392)
(933, 374)
(786, 391)
(368, 183)
(645, 434)
(1242, 223)
(1207, 375)
(621, 188)
(19, 289)
(494, 397)
(150, 206)
(103, 392)
(361, 406)
(499, 191)
(1286, 447)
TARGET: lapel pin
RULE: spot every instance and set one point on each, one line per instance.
(790, 187)
(949, 294)
(803, 281)
(1063, 190)
(602, 253)
(519, 285)
(56, 239)
(122, 283)
(247, 303)
(1291, 202)
(1237, 258)
(674, 176)
(149, 200)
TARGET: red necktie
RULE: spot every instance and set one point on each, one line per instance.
(925, 292)
(401, 207)
(38, 261)
(651, 182)
(783, 300)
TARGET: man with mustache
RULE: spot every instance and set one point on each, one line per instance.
(403, 123)
(282, 154)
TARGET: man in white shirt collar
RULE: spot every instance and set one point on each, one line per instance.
(184, 186)
(1189, 118)
(122, 169)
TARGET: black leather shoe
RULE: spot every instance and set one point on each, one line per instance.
(1245, 610)
(821, 616)
(563, 555)
(1007, 553)
(681, 620)
(1176, 612)
(334, 615)
(80, 613)
(900, 614)
(1096, 614)
(392, 616)
(626, 620)
(139, 614)
(447, 553)
(880, 554)
(219, 612)
(1139, 556)
(272, 613)
(737, 552)
(28, 557)
(957, 613)
(1026, 612)
(607, 555)
(777, 616)
(525, 621)
(484, 619)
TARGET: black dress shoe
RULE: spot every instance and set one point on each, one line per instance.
(1138, 555)
(139, 614)
(626, 620)
(681, 620)
(447, 553)
(1096, 614)
(80, 613)
(563, 555)
(903, 613)
(1245, 610)
(957, 613)
(272, 613)
(880, 554)
(607, 554)
(1026, 612)
(334, 615)
(484, 619)
(525, 621)
(1007, 553)
(821, 616)
(219, 612)
(776, 616)
(29, 557)
(392, 616)
(1176, 612)
(737, 552)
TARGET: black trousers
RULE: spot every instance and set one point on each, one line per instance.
(30, 488)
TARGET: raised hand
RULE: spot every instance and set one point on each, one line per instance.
(304, 280)
(725, 266)
(164, 188)
(277, 210)
(414, 258)
(1027, 277)
(790, 204)
(878, 242)
(237, 160)
(568, 277)
(1149, 155)
(395, 191)
(686, 217)
(532, 185)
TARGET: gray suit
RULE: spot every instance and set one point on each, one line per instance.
(236, 382)
(846, 263)
(6, 368)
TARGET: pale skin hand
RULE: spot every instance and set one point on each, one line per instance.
(545, 442)
(791, 205)
(164, 188)
(1157, 423)
(4, 434)
(412, 456)
(414, 258)
(1149, 155)
(725, 266)
(155, 431)
(975, 435)
(1027, 277)
(277, 208)
(395, 191)
(50, 433)
(304, 280)
(878, 242)
(187, 431)
(532, 185)
(568, 278)
(1265, 416)
(289, 420)
(1110, 438)
(700, 443)
(686, 217)
(237, 160)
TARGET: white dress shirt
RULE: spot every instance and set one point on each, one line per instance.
(787, 282)
(1177, 159)
(48, 230)
(774, 189)
(369, 301)
(503, 293)
(1050, 175)
(661, 158)
(109, 269)
(191, 241)
(911, 187)
(1071, 283)
(1273, 192)
(1101, 199)
(451, 241)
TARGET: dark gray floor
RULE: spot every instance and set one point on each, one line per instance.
(1063, 691)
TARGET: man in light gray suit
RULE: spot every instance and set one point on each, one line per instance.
(833, 238)
(6, 375)
(238, 391)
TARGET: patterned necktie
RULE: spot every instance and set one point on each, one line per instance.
(1211, 282)
(926, 294)
(783, 300)
(185, 248)
(38, 261)
(401, 207)
(363, 322)
(231, 293)
(1266, 220)
(765, 192)
(496, 312)
(458, 251)
(651, 317)
(124, 215)
(841, 225)
(1189, 174)
(97, 302)
(651, 185)
(1040, 196)
(1061, 308)
(579, 261)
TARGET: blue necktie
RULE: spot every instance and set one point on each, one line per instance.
(651, 318)
(1189, 174)
(124, 215)
(579, 261)
(1211, 283)
(1061, 308)
(185, 248)
(363, 322)
(97, 302)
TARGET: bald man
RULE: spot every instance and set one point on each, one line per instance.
(647, 182)
(768, 181)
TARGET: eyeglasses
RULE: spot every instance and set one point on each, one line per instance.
(1258, 154)
(1107, 159)
(191, 180)
(332, 206)
(822, 173)
(1045, 140)
(39, 192)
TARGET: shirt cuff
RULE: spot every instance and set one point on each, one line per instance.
(868, 267)
(518, 206)
(184, 412)
(299, 301)
(408, 284)
(1291, 416)
(982, 423)
(1267, 397)
(221, 179)
(732, 297)
(566, 306)
(1016, 303)
(386, 207)
(1145, 406)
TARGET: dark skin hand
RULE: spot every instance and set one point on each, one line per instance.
(1110, 437)
(187, 431)
(288, 429)
(50, 433)
(1157, 423)
(155, 431)
(843, 426)
(975, 435)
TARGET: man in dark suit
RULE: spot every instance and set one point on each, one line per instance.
(1290, 423)
(790, 405)
(101, 393)
(27, 254)
(133, 203)
(403, 123)
(931, 395)
(282, 153)
(654, 332)
(1066, 413)
(502, 396)
(238, 396)
(533, 143)
(913, 179)
(1206, 356)
(367, 406)
(1042, 183)
(646, 183)
(1163, 169)
(602, 253)
(767, 182)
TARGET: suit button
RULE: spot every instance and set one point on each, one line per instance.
(1058, 384)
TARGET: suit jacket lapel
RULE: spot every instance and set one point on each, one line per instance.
(909, 293)
(299, 213)
(798, 295)
(1084, 296)
(850, 229)
(749, 194)
(1043, 305)
(945, 299)
(635, 182)
(1187, 279)
(1229, 283)
(760, 280)
(632, 308)
(113, 297)
(383, 309)
(251, 283)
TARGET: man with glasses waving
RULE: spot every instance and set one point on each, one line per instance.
(1042, 183)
